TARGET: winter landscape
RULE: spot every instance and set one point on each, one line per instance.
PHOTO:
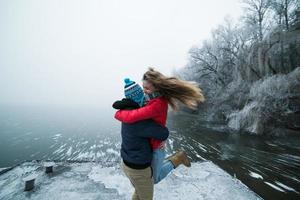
(62, 65)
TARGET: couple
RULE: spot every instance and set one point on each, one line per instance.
(144, 132)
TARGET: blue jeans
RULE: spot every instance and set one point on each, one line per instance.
(161, 167)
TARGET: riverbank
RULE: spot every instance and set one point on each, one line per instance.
(89, 180)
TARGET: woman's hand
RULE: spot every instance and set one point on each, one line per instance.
(163, 144)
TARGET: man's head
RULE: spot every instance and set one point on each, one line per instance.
(133, 91)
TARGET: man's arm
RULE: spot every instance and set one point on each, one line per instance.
(152, 130)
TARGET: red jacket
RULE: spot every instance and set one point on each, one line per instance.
(155, 109)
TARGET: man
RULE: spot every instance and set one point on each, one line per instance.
(136, 151)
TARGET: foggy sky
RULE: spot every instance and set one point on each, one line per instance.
(78, 52)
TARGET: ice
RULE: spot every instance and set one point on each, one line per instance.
(202, 147)
(90, 180)
(85, 142)
(56, 137)
(69, 152)
(286, 187)
(60, 149)
(274, 186)
(255, 175)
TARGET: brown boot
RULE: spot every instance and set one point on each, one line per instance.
(180, 158)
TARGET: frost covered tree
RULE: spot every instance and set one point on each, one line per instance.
(242, 67)
(256, 16)
(283, 10)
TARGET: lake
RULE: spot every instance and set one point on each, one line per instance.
(270, 166)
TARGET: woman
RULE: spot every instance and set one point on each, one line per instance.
(160, 91)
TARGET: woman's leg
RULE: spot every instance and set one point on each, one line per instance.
(158, 157)
(166, 169)
(161, 167)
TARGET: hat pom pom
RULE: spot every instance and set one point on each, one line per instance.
(127, 81)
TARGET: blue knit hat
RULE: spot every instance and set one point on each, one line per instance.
(133, 91)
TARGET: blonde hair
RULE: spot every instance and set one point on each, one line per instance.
(175, 89)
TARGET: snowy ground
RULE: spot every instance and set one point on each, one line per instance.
(92, 181)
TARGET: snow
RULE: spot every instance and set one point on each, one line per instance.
(3, 168)
(30, 177)
(267, 104)
(91, 180)
(49, 164)
(112, 151)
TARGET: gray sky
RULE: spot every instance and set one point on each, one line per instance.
(78, 52)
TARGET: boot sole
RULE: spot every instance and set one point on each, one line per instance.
(188, 162)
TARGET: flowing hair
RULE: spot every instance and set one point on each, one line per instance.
(175, 89)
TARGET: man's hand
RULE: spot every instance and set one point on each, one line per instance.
(125, 104)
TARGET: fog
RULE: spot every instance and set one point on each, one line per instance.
(73, 52)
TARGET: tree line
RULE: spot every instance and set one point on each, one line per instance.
(265, 42)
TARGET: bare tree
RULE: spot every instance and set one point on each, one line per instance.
(207, 63)
(283, 10)
(257, 9)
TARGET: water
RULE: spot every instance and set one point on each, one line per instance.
(269, 166)
(28, 133)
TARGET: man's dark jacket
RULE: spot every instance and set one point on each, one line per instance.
(136, 151)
